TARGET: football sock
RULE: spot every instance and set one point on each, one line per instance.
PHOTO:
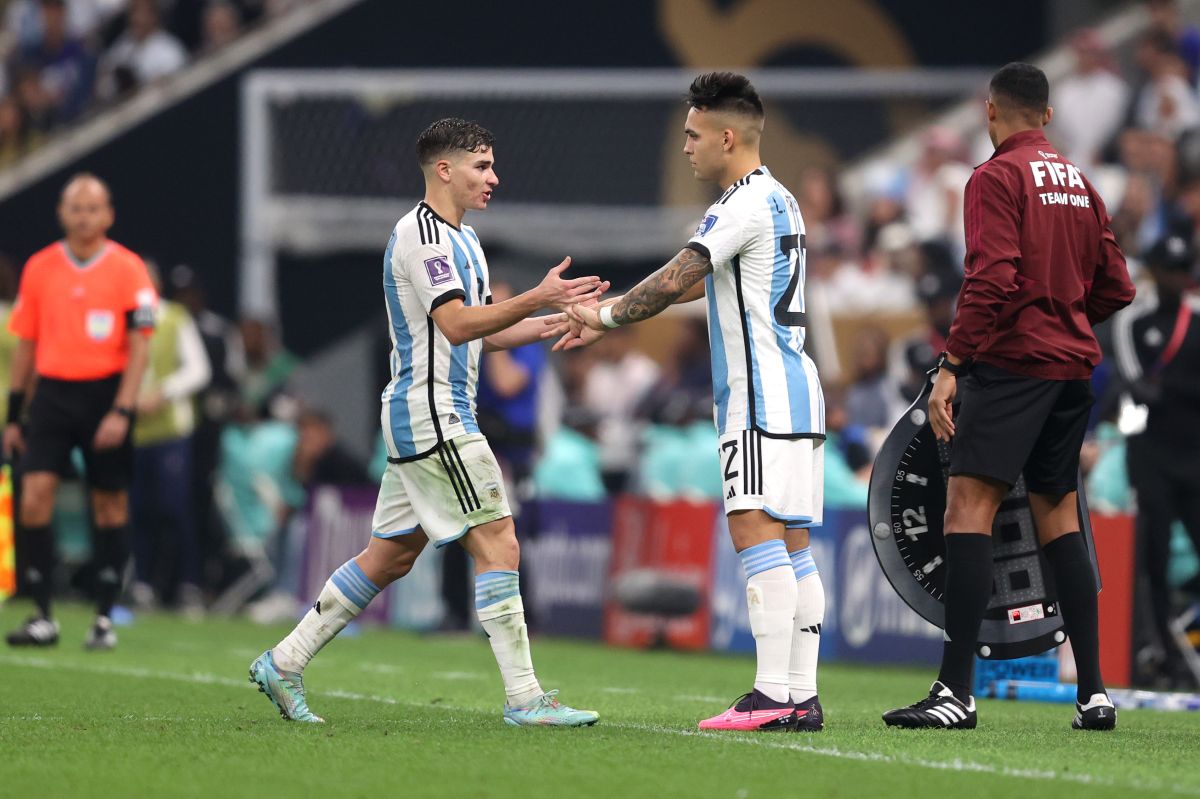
(502, 614)
(771, 601)
(1068, 556)
(968, 591)
(345, 595)
(39, 569)
(112, 553)
(806, 633)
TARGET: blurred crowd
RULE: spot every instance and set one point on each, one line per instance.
(61, 60)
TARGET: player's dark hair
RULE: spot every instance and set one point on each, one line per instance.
(450, 134)
(1023, 85)
(725, 91)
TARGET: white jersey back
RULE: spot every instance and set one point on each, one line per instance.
(431, 396)
(762, 378)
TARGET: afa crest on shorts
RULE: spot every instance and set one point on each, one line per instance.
(906, 508)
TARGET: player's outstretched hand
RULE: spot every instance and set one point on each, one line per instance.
(14, 440)
(941, 402)
(557, 292)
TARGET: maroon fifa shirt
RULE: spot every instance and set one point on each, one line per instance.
(1042, 264)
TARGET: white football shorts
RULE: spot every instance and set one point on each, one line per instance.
(783, 476)
(456, 487)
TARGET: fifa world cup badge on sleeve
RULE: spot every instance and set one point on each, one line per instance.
(706, 224)
(439, 271)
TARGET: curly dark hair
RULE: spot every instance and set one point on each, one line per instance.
(725, 91)
(452, 133)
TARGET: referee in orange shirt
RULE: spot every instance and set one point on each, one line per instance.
(84, 314)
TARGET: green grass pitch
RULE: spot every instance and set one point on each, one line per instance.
(171, 713)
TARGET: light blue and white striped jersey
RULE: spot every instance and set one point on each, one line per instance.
(431, 396)
(762, 378)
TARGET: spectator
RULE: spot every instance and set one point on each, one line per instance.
(1158, 355)
(214, 409)
(1089, 104)
(938, 288)
(268, 369)
(143, 54)
(616, 383)
(827, 225)
(35, 101)
(934, 194)
(66, 67)
(16, 135)
(166, 554)
(1165, 19)
(1166, 105)
(222, 25)
(873, 399)
(319, 458)
(24, 19)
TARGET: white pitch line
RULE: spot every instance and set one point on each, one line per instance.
(724, 738)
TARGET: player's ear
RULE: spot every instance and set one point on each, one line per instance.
(442, 170)
(727, 139)
(1048, 115)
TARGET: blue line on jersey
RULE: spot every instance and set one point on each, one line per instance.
(398, 416)
(461, 353)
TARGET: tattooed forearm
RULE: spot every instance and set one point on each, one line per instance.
(662, 288)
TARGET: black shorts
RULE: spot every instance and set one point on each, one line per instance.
(65, 414)
(1009, 424)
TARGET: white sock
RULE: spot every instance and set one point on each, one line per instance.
(771, 600)
(806, 638)
(502, 614)
(324, 620)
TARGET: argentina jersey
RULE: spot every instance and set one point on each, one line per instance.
(762, 378)
(431, 396)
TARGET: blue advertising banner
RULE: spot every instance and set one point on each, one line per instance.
(568, 565)
(870, 620)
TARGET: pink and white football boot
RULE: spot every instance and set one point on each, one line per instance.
(754, 711)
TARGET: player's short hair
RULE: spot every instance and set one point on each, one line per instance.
(451, 134)
(725, 91)
(1024, 86)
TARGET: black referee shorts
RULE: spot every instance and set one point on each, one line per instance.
(1009, 424)
(65, 414)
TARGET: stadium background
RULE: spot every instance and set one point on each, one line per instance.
(620, 480)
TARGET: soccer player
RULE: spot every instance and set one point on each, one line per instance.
(747, 258)
(443, 483)
(1042, 268)
(84, 314)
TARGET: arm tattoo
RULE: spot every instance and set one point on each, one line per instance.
(662, 288)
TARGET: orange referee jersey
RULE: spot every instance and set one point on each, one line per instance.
(80, 314)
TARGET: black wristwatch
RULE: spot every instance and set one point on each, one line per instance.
(123, 410)
(956, 369)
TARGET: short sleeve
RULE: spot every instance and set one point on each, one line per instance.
(721, 234)
(141, 299)
(429, 270)
(23, 322)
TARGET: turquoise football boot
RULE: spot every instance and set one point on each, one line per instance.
(548, 712)
(284, 689)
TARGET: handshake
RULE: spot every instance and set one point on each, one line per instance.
(578, 322)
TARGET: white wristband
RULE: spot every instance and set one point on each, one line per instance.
(606, 317)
